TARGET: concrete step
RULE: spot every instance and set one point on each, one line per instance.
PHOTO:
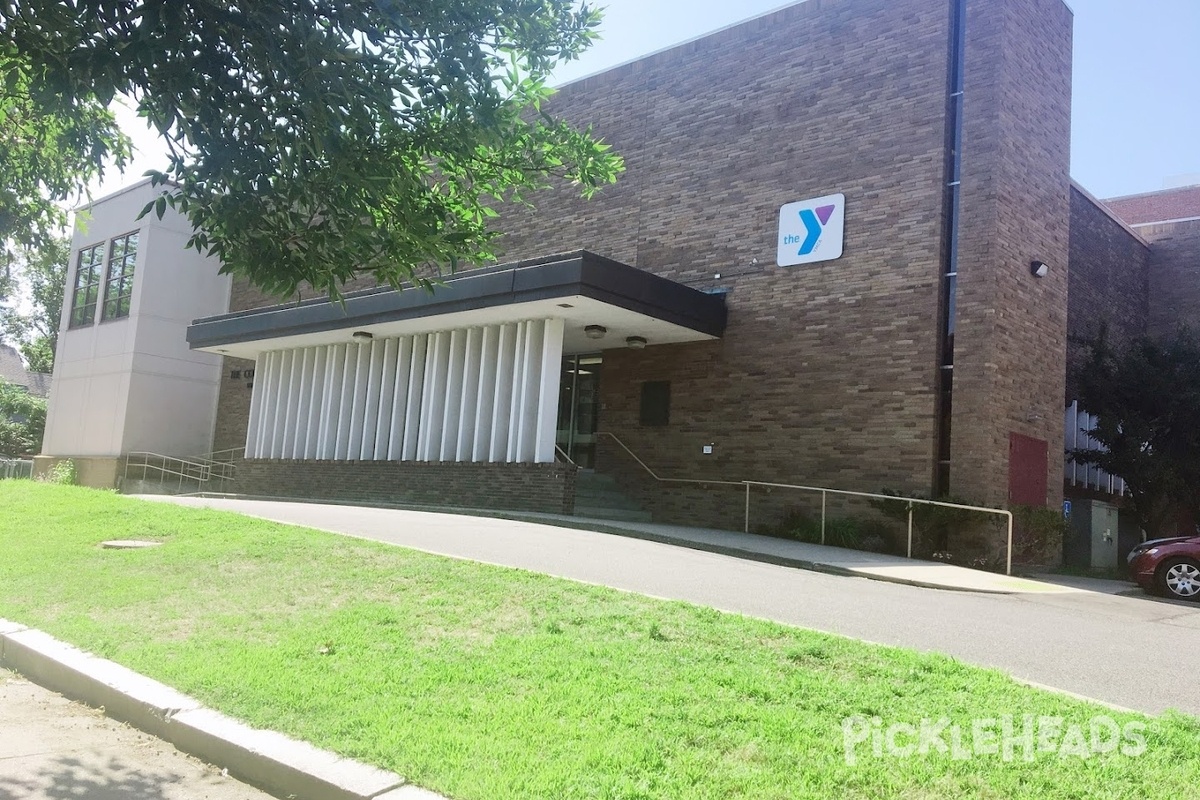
(619, 514)
(595, 480)
(606, 497)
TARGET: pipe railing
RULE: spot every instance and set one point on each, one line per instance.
(910, 501)
(225, 456)
(655, 475)
(186, 470)
(15, 468)
(825, 492)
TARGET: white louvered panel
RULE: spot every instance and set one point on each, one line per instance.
(387, 394)
(370, 412)
(416, 393)
(546, 426)
(506, 354)
(468, 405)
(455, 369)
(316, 393)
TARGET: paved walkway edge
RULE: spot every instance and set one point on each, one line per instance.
(274, 762)
(615, 528)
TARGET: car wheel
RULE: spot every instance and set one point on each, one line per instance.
(1180, 578)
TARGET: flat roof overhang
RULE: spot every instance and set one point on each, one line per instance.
(580, 288)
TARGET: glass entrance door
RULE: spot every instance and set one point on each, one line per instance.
(579, 408)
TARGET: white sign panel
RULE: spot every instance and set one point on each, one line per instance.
(812, 230)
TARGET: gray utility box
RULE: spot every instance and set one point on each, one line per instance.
(1092, 541)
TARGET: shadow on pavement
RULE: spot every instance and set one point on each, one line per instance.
(95, 777)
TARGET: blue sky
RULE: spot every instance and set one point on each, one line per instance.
(1136, 108)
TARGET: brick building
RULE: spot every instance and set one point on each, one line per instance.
(846, 252)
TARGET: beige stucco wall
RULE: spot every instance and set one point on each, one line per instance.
(132, 384)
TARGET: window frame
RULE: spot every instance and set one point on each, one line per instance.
(95, 279)
(114, 307)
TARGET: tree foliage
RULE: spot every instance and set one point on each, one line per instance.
(320, 140)
(50, 145)
(39, 273)
(1147, 398)
(22, 421)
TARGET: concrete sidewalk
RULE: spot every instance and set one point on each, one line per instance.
(834, 560)
(53, 748)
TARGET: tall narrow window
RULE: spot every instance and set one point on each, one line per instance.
(118, 287)
(87, 286)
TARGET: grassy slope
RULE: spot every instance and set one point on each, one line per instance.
(484, 682)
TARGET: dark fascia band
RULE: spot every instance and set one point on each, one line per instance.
(581, 273)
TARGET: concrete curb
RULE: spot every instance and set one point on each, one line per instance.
(269, 760)
(629, 533)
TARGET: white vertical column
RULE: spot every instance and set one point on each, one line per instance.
(433, 398)
(370, 412)
(387, 394)
(547, 407)
(256, 403)
(358, 412)
(303, 401)
(270, 402)
(517, 395)
(485, 393)
(283, 379)
(505, 379)
(291, 390)
(414, 409)
(403, 368)
(454, 386)
(470, 396)
(525, 414)
(316, 398)
(331, 405)
(346, 404)
(270, 412)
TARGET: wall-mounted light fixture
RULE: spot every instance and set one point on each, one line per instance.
(1039, 269)
(635, 342)
(595, 331)
(362, 337)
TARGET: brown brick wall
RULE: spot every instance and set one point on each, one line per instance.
(825, 372)
(233, 404)
(1174, 276)
(1109, 282)
(514, 487)
(1010, 344)
(243, 295)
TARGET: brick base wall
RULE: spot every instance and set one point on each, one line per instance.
(511, 487)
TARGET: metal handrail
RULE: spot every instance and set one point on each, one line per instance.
(217, 456)
(824, 494)
(189, 469)
(654, 474)
(911, 501)
(15, 468)
(564, 455)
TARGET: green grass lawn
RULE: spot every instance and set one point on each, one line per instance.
(484, 683)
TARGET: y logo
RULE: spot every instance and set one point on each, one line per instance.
(811, 230)
(815, 220)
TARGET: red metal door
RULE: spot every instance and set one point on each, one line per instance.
(1027, 470)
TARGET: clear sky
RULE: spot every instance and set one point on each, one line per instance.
(1136, 108)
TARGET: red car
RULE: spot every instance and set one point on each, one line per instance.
(1168, 566)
